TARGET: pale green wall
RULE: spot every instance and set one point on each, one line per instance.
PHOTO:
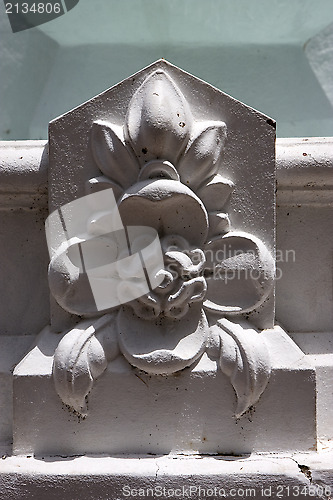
(251, 49)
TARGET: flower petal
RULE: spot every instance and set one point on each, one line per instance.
(70, 288)
(99, 183)
(112, 156)
(163, 345)
(216, 193)
(199, 161)
(239, 272)
(167, 206)
(219, 224)
(158, 119)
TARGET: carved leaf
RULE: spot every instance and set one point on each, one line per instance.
(216, 193)
(158, 119)
(163, 345)
(245, 360)
(199, 161)
(71, 292)
(219, 224)
(78, 360)
(167, 206)
(112, 156)
(96, 184)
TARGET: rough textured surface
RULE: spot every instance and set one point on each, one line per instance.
(306, 182)
(24, 305)
(177, 156)
(12, 349)
(304, 176)
(163, 113)
(129, 411)
(304, 234)
(277, 476)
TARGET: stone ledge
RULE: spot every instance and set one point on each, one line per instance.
(304, 171)
(23, 174)
(313, 155)
(132, 412)
(12, 349)
(198, 477)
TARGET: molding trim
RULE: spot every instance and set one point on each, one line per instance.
(304, 172)
(121, 477)
(23, 175)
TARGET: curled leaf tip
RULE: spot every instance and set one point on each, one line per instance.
(78, 360)
(245, 360)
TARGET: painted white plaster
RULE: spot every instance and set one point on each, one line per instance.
(162, 148)
(12, 349)
(302, 382)
(253, 476)
(130, 411)
(117, 374)
(24, 304)
(304, 234)
(304, 187)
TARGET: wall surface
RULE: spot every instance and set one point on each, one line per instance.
(304, 308)
(254, 51)
(304, 236)
(274, 56)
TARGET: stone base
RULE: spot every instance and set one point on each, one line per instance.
(12, 349)
(188, 412)
(307, 476)
(319, 350)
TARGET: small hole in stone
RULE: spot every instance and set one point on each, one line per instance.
(271, 122)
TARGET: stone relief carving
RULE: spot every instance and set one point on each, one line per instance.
(163, 168)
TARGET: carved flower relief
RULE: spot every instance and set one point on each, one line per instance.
(162, 166)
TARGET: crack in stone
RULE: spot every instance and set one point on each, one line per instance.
(304, 469)
(157, 470)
